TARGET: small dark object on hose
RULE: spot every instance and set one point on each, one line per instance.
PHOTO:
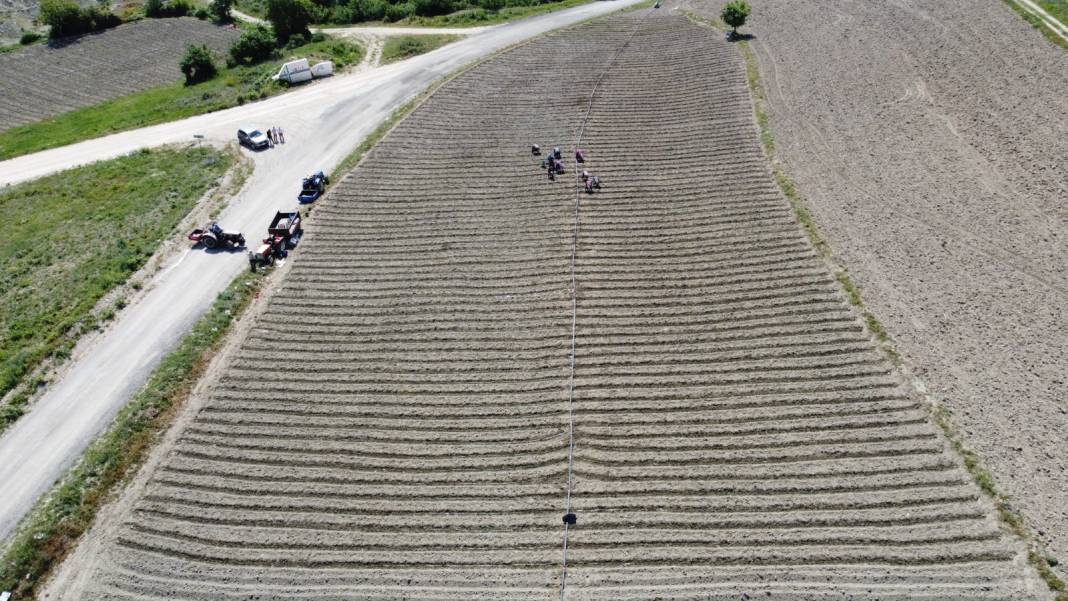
(570, 519)
(535, 149)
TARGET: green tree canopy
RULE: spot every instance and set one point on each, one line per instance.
(734, 14)
(290, 17)
(198, 64)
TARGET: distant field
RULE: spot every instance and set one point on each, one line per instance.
(71, 237)
(47, 80)
(160, 104)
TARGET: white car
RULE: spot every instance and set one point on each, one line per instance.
(253, 138)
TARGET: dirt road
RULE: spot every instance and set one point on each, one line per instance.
(322, 123)
(737, 435)
(930, 141)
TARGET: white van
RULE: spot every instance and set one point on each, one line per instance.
(295, 71)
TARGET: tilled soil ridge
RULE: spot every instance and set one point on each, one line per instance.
(73, 73)
(928, 139)
(397, 424)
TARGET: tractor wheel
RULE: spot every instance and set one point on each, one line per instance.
(241, 242)
(210, 241)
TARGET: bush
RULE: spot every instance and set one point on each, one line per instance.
(734, 14)
(201, 14)
(29, 37)
(432, 8)
(491, 5)
(198, 64)
(290, 17)
(396, 12)
(158, 9)
(65, 18)
(253, 46)
(220, 10)
(369, 10)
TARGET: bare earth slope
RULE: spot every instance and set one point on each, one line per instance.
(930, 141)
(397, 423)
(44, 81)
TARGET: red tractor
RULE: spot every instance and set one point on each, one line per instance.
(213, 236)
(282, 234)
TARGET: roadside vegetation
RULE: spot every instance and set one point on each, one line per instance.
(400, 47)
(54, 526)
(72, 237)
(1058, 9)
(231, 86)
(430, 13)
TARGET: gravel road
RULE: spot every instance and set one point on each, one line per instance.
(323, 123)
(396, 422)
(930, 141)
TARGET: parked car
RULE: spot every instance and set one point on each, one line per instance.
(252, 137)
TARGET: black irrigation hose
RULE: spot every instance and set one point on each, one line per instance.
(569, 519)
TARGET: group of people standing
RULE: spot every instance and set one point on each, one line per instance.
(554, 166)
(275, 135)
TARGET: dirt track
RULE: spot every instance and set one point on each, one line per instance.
(396, 424)
(930, 141)
(44, 81)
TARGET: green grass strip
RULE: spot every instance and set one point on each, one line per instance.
(941, 415)
(1058, 9)
(476, 17)
(400, 47)
(231, 87)
(72, 237)
(61, 517)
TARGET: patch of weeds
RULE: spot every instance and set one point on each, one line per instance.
(89, 230)
(54, 526)
(400, 47)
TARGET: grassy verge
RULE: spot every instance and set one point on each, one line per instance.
(61, 517)
(72, 237)
(476, 17)
(231, 87)
(983, 478)
(1058, 9)
(400, 47)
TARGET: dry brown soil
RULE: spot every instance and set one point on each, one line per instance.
(45, 80)
(396, 423)
(931, 142)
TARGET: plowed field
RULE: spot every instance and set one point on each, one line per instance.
(44, 81)
(397, 425)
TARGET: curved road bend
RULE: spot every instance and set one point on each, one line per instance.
(322, 124)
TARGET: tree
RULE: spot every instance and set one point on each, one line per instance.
(153, 8)
(220, 10)
(290, 17)
(198, 64)
(734, 14)
(253, 46)
(63, 17)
